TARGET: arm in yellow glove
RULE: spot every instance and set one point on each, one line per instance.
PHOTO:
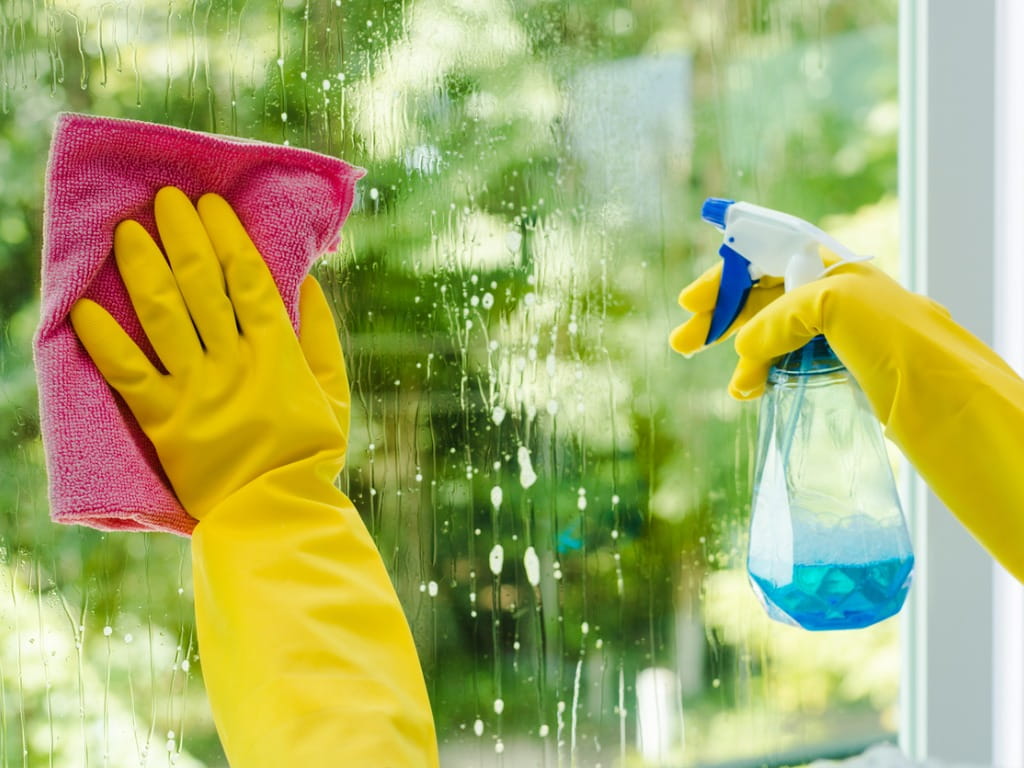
(306, 654)
(953, 406)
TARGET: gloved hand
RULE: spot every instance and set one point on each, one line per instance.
(952, 405)
(700, 296)
(306, 655)
(239, 399)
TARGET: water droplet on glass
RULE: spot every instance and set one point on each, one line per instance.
(478, 727)
(488, 301)
(326, 85)
(432, 588)
(527, 476)
(108, 631)
(543, 731)
(497, 559)
(552, 407)
(499, 706)
(374, 193)
(499, 746)
(496, 497)
(532, 565)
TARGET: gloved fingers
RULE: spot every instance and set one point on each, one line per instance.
(702, 293)
(155, 296)
(763, 295)
(119, 360)
(749, 378)
(787, 324)
(251, 288)
(691, 337)
(195, 267)
(318, 338)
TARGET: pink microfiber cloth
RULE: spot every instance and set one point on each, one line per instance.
(103, 471)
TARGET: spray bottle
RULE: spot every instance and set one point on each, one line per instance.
(829, 547)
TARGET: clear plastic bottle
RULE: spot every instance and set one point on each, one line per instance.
(829, 547)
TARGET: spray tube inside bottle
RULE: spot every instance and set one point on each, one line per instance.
(829, 546)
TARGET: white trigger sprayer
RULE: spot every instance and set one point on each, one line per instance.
(829, 548)
(758, 242)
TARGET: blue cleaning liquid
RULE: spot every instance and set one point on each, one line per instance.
(837, 596)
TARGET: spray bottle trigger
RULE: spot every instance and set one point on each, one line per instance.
(732, 292)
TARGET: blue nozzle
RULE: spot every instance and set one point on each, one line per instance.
(714, 211)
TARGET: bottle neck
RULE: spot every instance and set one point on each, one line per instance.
(814, 358)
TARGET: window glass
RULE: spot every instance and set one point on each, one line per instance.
(561, 500)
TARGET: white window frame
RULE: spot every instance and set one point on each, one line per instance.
(962, 200)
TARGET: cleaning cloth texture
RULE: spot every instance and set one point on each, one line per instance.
(103, 471)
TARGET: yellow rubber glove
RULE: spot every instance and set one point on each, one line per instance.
(699, 297)
(951, 404)
(306, 654)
